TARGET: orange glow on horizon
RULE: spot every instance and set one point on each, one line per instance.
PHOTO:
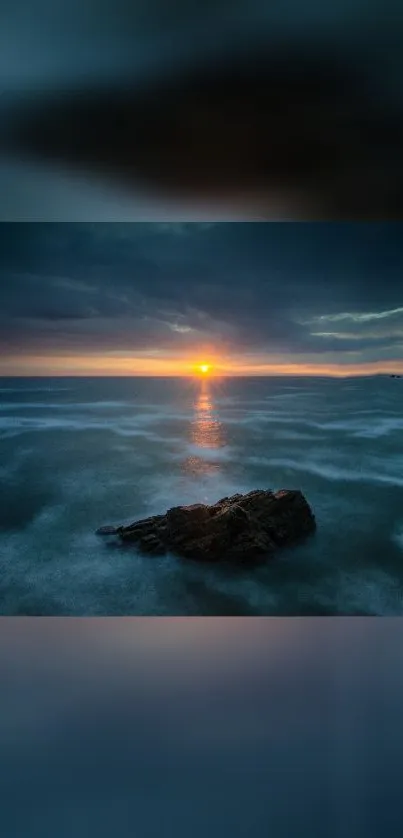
(94, 365)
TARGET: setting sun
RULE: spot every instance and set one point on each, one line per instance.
(203, 369)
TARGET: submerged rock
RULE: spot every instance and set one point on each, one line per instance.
(239, 528)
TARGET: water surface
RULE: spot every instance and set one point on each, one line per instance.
(79, 453)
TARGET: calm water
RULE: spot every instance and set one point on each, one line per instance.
(79, 453)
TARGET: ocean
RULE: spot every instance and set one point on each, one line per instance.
(77, 454)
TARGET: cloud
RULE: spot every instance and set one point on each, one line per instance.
(360, 318)
(297, 291)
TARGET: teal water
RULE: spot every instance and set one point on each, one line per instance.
(79, 453)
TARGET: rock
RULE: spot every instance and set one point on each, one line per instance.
(239, 528)
(108, 531)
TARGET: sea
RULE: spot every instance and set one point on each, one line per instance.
(80, 453)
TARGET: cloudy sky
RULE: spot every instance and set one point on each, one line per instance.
(158, 298)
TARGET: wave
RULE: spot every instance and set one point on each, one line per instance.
(219, 454)
(13, 427)
(280, 396)
(329, 472)
(370, 430)
(20, 390)
(62, 406)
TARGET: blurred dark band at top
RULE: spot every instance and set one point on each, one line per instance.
(219, 109)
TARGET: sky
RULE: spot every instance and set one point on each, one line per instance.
(161, 298)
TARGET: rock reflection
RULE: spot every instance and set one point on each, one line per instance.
(206, 433)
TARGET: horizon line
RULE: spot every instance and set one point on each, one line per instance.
(210, 377)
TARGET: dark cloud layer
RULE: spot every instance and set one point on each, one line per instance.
(299, 291)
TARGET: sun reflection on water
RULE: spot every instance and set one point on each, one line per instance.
(206, 433)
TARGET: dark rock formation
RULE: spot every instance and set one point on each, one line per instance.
(240, 528)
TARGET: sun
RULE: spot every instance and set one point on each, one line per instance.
(203, 369)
